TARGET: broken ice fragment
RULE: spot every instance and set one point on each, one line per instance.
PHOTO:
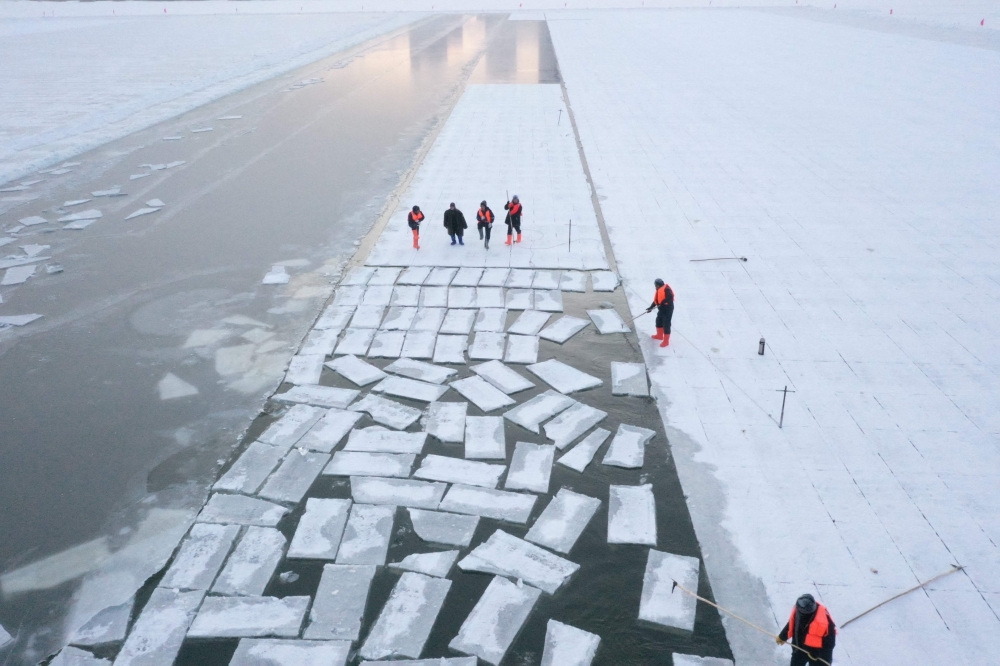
(507, 555)
(230, 118)
(502, 377)
(290, 652)
(366, 535)
(33, 249)
(53, 269)
(318, 396)
(411, 389)
(563, 521)
(387, 412)
(172, 386)
(432, 564)
(137, 176)
(234, 617)
(447, 528)
(18, 320)
(660, 604)
(173, 137)
(484, 438)
(604, 280)
(629, 379)
(607, 321)
(396, 492)
(406, 620)
(628, 447)
(487, 346)
(563, 329)
(84, 215)
(251, 469)
(363, 463)
(292, 479)
(252, 564)
(355, 370)
(290, 428)
(568, 646)
(446, 420)
(155, 203)
(583, 453)
(378, 440)
(425, 372)
(75, 202)
(521, 349)
(562, 377)
(157, 635)
(237, 509)
(488, 503)
(110, 625)
(200, 557)
(17, 275)
(450, 349)
(495, 620)
(147, 211)
(202, 337)
(456, 470)
(356, 341)
(482, 394)
(458, 322)
(632, 515)
(530, 467)
(32, 221)
(340, 602)
(572, 423)
(318, 534)
(199, 130)
(277, 274)
(540, 408)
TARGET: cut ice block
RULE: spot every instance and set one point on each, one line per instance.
(340, 602)
(446, 420)
(237, 617)
(482, 394)
(407, 618)
(387, 344)
(604, 280)
(251, 469)
(540, 408)
(419, 344)
(496, 620)
(424, 372)
(290, 428)
(157, 635)
(200, 557)
(659, 603)
(521, 349)
(110, 625)
(414, 275)
(286, 652)
(366, 535)
(71, 656)
(387, 412)
(378, 440)
(291, 481)
(568, 646)
(305, 369)
(318, 534)
(491, 320)
(548, 300)
(607, 321)
(583, 453)
(520, 279)
(490, 297)
(629, 379)
(329, 430)
(335, 317)
(529, 322)
(396, 492)
(546, 280)
(573, 281)
(487, 346)
(458, 322)
(356, 341)
(237, 509)
(507, 555)
(359, 275)
(692, 660)
(32, 221)
(399, 318)
(563, 521)
(432, 564)
(467, 277)
(530, 467)
(498, 504)
(252, 564)
(450, 349)
(404, 387)
(448, 528)
(320, 342)
(563, 378)
(360, 463)
(461, 297)
(519, 299)
(355, 370)
(563, 329)
(628, 448)
(348, 296)
(441, 277)
(484, 438)
(428, 319)
(405, 297)
(318, 396)
(385, 275)
(494, 277)
(502, 377)
(377, 295)
(572, 423)
(434, 297)
(456, 470)
(632, 515)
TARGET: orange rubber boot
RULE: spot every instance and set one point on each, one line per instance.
(666, 340)
(510, 239)
(659, 334)
(416, 239)
(518, 237)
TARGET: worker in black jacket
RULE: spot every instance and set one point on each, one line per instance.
(454, 222)
(663, 300)
(484, 222)
(811, 629)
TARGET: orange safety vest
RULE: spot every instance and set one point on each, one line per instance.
(818, 628)
(485, 216)
(419, 217)
(515, 209)
(661, 294)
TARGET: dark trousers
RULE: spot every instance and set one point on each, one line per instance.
(664, 313)
(802, 659)
(485, 228)
(513, 225)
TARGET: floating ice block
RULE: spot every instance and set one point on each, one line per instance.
(529, 322)
(660, 603)
(563, 329)
(521, 349)
(387, 412)
(290, 428)
(507, 555)
(441, 276)
(356, 341)
(488, 503)
(348, 295)
(424, 372)
(405, 296)
(434, 297)
(548, 300)
(563, 521)
(563, 378)
(385, 275)
(359, 275)
(291, 481)
(540, 408)
(450, 529)
(608, 321)
(530, 467)
(329, 430)
(604, 280)
(482, 394)
(519, 299)
(320, 342)
(432, 564)
(355, 370)
(446, 420)
(237, 509)
(502, 377)
(110, 625)
(546, 280)
(403, 387)
(250, 567)
(490, 297)
(419, 344)
(461, 297)
(583, 453)
(199, 559)
(305, 369)
(632, 515)
(496, 620)
(396, 492)
(340, 602)
(456, 470)
(359, 463)
(629, 379)
(290, 652)
(387, 344)
(628, 448)
(491, 320)
(399, 318)
(318, 396)
(234, 617)
(494, 277)
(414, 275)
(467, 277)
(458, 322)
(407, 618)
(450, 349)
(377, 440)
(318, 534)
(572, 423)
(251, 469)
(157, 635)
(377, 295)
(71, 656)
(335, 317)
(484, 438)
(692, 660)
(573, 281)
(487, 346)
(367, 534)
(520, 278)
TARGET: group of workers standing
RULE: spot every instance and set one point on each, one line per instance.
(455, 224)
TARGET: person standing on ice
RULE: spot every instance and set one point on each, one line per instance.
(454, 222)
(811, 629)
(663, 301)
(514, 210)
(413, 220)
(484, 222)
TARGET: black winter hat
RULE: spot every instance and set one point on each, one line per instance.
(806, 604)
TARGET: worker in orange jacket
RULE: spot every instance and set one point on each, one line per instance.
(413, 220)
(663, 300)
(484, 222)
(811, 629)
(514, 210)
